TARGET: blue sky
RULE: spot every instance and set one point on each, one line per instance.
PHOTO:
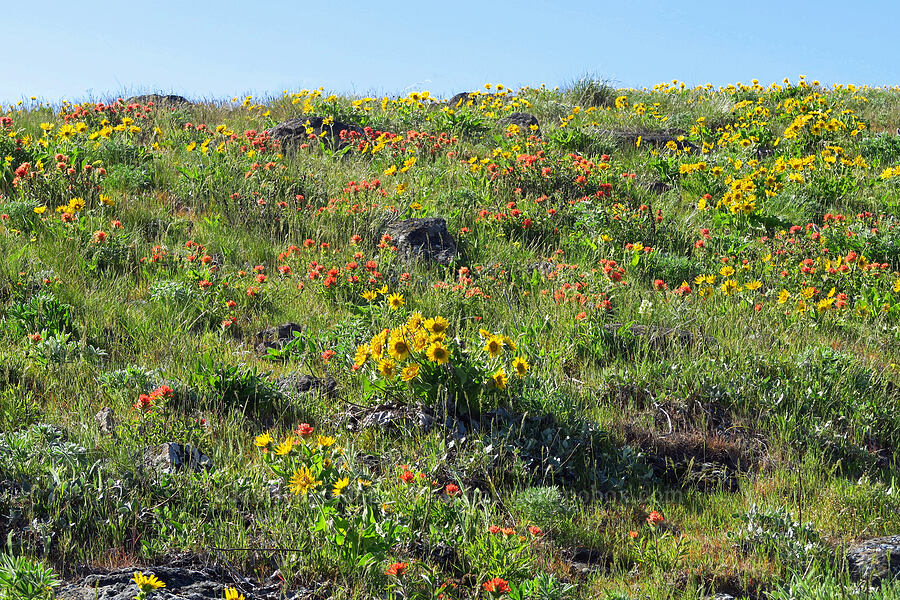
(203, 49)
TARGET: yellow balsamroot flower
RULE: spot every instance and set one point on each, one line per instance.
(824, 304)
(263, 441)
(414, 322)
(753, 285)
(783, 296)
(362, 355)
(76, 204)
(285, 447)
(520, 365)
(509, 343)
(397, 346)
(302, 481)
(437, 325)
(409, 372)
(325, 440)
(147, 583)
(420, 340)
(729, 286)
(232, 594)
(66, 132)
(494, 346)
(438, 353)
(364, 482)
(395, 301)
(726, 271)
(339, 486)
(897, 286)
(499, 379)
(376, 346)
(40, 209)
(369, 295)
(387, 368)
(106, 200)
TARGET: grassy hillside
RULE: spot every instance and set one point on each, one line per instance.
(660, 362)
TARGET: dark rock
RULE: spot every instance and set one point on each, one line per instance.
(295, 383)
(652, 138)
(168, 100)
(182, 583)
(460, 99)
(426, 239)
(439, 554)
(584, 562)
(524, 121)
(106, 423)
(658, 187)
(171, 457)
(875, 559)
(275, 337)
(296, 131)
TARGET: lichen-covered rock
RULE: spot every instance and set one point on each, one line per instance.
(655, 139)
(106, 422)
(182, 583)
(524, 121)
(171, 457)
(169, 100)
(423, 239)
(460, 100)
(390, 415)
(276, 337)
(294, 384)
(337, 134)
(875, 559)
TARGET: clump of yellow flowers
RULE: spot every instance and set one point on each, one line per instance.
(420, 355)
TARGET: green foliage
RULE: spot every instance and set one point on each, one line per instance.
(23, 579)
(776, 534)
(238, 387)
(41, 312)
(884, 149)
(589, 90)
(544, 586)
(821, 584)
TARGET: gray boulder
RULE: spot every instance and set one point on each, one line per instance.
(296, 131)
(295, 384)
(276, 337)
(423, 239)
(167, 100)
(875, 559)
(172, 457)
(182, 583)
(460, 100)
(656, 139)
(524, 121)
(106, 423)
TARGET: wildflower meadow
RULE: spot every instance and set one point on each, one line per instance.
(545, 343)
